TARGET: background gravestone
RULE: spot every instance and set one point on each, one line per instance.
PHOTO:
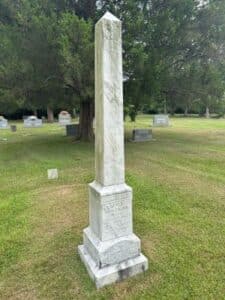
(110, 251)
(64, 118)
(73, 130)
(13, 128)
(3, 123)
(161, 121)
(141, 135)
(32, 122)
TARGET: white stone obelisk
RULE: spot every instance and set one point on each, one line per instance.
(111, 251)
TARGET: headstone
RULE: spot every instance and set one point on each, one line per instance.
(32, 122)
(13, 128)
(52, 174)
(3, 123)
(142, 135)
(110, 251)
(160, 120)
(72, 130)
(64, 118)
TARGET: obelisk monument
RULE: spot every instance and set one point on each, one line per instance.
(110, 251)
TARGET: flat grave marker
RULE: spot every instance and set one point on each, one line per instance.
(142, 135)
(161, 121)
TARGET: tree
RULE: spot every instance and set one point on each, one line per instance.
(77, 65)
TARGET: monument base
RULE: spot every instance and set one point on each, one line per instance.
(112, 273)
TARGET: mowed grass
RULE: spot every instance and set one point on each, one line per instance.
(179, 212)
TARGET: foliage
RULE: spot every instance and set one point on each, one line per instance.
(173, 53)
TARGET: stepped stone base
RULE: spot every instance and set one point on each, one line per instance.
(112, 273)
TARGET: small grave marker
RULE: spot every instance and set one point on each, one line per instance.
(142, 135)
(53, 174)
(72, 130)
(13, 128)
(161, 121)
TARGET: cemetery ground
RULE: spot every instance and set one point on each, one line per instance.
(179, 212)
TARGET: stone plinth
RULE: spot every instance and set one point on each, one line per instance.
(110, 251)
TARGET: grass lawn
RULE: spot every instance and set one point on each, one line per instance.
(179, 213)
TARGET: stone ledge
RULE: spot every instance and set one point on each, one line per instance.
(113, 273)
(111, 252)
(109, 190)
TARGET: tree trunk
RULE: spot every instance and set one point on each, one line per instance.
(165, 108)
(86, 121)
(50, 114)
(172, 111)
(35, 112)
(207, 113)
(186, 112)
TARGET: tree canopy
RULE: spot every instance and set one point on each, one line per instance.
(173, 55)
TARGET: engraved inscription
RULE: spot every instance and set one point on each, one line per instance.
(120, 252)
(117, 219)
(108, 33)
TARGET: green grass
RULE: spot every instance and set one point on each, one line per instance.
(179, 212)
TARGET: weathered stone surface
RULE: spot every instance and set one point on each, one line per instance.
(161, 120)
(115, 272)
(110, 210)
(110, 250)
(142, 135)
(109, 137)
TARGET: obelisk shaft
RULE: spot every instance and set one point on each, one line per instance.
(109, 135)
(110, 250)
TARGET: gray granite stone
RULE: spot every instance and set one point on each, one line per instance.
(13, 128)
(32, 121)
(110, 251)
(142, 135)
(161, 121)
(72, 130)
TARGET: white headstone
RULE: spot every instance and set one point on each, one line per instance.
(3, 123)
(64, 118)
(52, 174)
(111, 251)
(160, 120)
(32, 121)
